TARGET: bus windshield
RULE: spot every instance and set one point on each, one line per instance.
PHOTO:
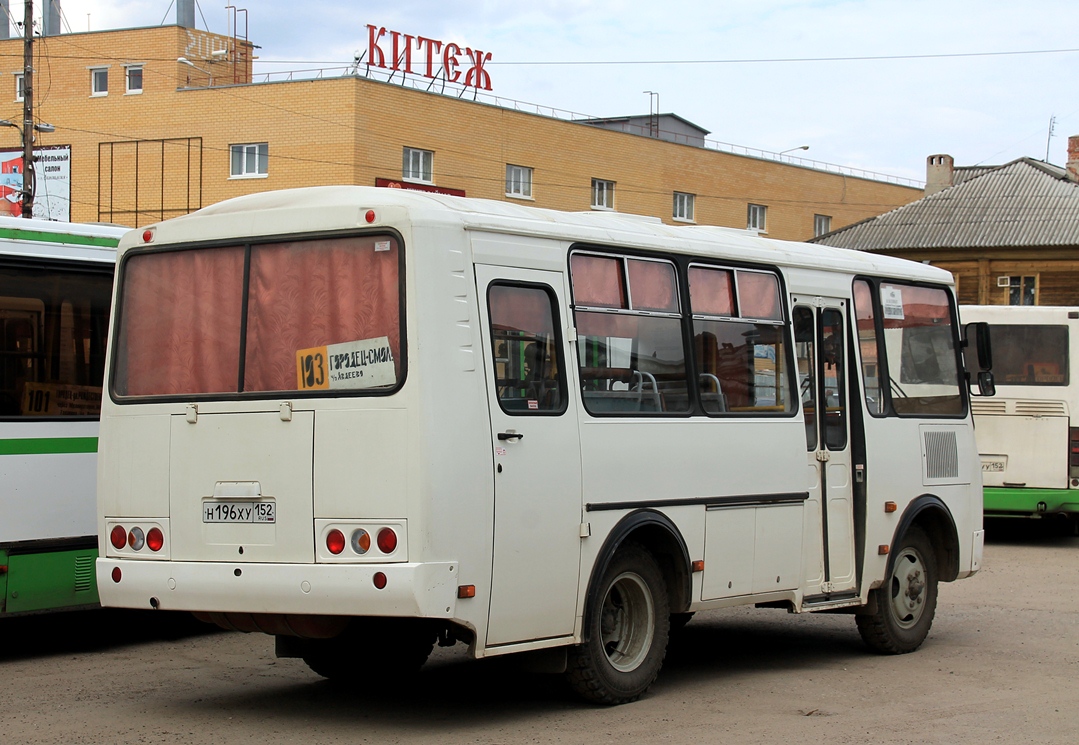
(54, 321)
(1028, 354)
(320, 314)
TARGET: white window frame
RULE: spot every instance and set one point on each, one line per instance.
(518, 181)
(418, 165)
(20, 91)
(757, 218)
(602, 194)
(821, 224)
(128, 69)
(684, 206)
(261, 151)
(94, 91)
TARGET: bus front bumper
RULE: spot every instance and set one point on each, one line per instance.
(427, 590)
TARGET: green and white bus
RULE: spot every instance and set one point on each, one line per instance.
(1028, 434)
(55, 286)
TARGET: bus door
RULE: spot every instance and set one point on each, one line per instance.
(537, 455)
(820, 344)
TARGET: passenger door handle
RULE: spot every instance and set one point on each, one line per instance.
(510, 436)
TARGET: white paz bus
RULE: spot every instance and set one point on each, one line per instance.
(365, 419)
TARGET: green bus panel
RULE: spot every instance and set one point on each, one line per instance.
(1021, 502)
(44, 581)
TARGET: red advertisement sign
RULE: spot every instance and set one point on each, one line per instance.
(433, 58)
(394, 184)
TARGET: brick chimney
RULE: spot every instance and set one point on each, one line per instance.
(1073, 158)
(938, 173)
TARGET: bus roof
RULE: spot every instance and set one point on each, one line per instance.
(59, 240)
(328, 208)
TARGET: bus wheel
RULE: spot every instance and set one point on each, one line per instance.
(906, 602)
(397, 647)
(629, 621)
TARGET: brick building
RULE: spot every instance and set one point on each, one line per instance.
(163, 120)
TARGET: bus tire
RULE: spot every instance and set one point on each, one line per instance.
(906, 603)
(397, 647)
(629, 622)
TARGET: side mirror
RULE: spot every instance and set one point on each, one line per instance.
(986, 385)
(976, 335)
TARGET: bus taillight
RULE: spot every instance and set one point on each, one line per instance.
(118, 537)
(387, 540)
(136, 538)
(335, 541)
(1073, 454)
(155, 539)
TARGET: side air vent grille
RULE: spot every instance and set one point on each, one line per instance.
(941, 455)
(84, 573)
(1040, 408)
(984, 407)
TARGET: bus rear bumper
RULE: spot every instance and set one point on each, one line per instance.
(427, 590)
(1015, 502)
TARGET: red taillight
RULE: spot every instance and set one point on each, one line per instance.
(380, 580)
(118, 537)
(116, 574)
(155, 539)
(335, 541)
(387, 540)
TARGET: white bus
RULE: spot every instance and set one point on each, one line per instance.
(1028, 435)
(365, 419)
(55, 297)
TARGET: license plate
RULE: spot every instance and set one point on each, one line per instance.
(239, 512)
(994, 465)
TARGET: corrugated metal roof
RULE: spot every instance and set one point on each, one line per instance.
(1024, 204)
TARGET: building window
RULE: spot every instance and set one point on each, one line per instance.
(250, 161)
(683, 206)
(134, 79)
(1021, 290)
(602, 194)
(518, 181)
(99, 81)
(20, 86)
(755, 219)
(821, 224)
(418, 165)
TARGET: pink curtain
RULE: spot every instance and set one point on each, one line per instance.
(180, 324)
(521, 309)
(318, 292)
(710, 291)
(652, 286)
(597, 281)
(758, 296)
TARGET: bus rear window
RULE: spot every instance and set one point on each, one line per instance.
(1030, 354)
(313, 315)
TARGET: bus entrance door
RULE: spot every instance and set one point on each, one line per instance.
(537, 456)
(819, 330)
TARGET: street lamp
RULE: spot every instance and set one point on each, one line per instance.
(29, 174)
(189, 63)
(791, 150)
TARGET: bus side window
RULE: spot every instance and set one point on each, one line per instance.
(865, 322)
(529, 373)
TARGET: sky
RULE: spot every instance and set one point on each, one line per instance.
(762, 74)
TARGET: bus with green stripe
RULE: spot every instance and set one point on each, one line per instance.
(1028, 434)
(55, 288)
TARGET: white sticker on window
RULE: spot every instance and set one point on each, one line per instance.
(355, 364)
(382, 245)
(891, 299)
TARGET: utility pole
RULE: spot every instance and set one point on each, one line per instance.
(28, 110)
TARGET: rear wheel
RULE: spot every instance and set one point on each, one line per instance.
(629, 621)
(390, 647)
(907, 601)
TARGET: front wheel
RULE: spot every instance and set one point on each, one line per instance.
(628, 626)
(906, 603)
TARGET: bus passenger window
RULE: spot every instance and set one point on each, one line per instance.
(629, 335)
(805, 344)
(526, 351)
(739, 341)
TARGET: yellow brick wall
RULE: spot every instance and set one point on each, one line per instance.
(340, 130)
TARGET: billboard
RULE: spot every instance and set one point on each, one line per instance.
(52, 196)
